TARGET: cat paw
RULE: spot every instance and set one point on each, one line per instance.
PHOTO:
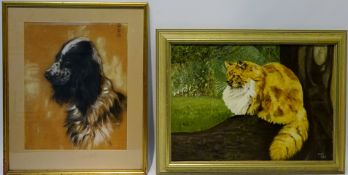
(278, 152)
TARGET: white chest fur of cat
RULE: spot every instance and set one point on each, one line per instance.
(238, 100)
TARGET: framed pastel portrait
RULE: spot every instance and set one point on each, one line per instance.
(250, 101)
(75, 87)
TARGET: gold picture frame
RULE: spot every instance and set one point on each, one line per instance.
(112, 37)
(175, 153)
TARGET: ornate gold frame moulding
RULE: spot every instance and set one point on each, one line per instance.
(168, 38)
(130, 159)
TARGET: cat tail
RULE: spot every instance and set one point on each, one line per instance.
(290, 138)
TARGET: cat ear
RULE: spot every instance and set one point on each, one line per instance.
(227, 64)
(241, 64)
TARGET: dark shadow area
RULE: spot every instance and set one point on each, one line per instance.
(237, 138)
(314, 69)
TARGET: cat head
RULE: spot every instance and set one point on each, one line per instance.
(241, 72)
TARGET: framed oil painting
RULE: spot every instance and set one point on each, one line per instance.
(75, 85)
(241, 101)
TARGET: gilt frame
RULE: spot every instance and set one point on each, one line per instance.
(167, 37)
(103, 7)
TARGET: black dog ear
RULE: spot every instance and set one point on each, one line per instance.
(87, 89)
(86, 83)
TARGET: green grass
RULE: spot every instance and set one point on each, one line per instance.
(190, 114)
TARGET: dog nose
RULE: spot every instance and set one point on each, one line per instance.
(47, 75)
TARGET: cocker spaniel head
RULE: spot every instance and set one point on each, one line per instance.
(76, 74)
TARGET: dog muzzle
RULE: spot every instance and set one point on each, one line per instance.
(56, 75)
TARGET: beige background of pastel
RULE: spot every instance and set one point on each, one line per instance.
(75, 159)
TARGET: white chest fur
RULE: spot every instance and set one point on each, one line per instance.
(238, 100)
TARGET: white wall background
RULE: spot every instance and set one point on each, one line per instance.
(231, 14)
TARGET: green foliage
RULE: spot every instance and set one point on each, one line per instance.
(196, 53)
(192, 79)
(190, 114)
(198, 70)
(198, 80)
(271, 53)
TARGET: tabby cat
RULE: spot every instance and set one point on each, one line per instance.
(274, 94)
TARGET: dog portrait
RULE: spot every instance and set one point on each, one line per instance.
(75, 94)
(77, 79)
(75, 86)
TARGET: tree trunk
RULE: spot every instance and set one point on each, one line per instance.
(313, 66)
